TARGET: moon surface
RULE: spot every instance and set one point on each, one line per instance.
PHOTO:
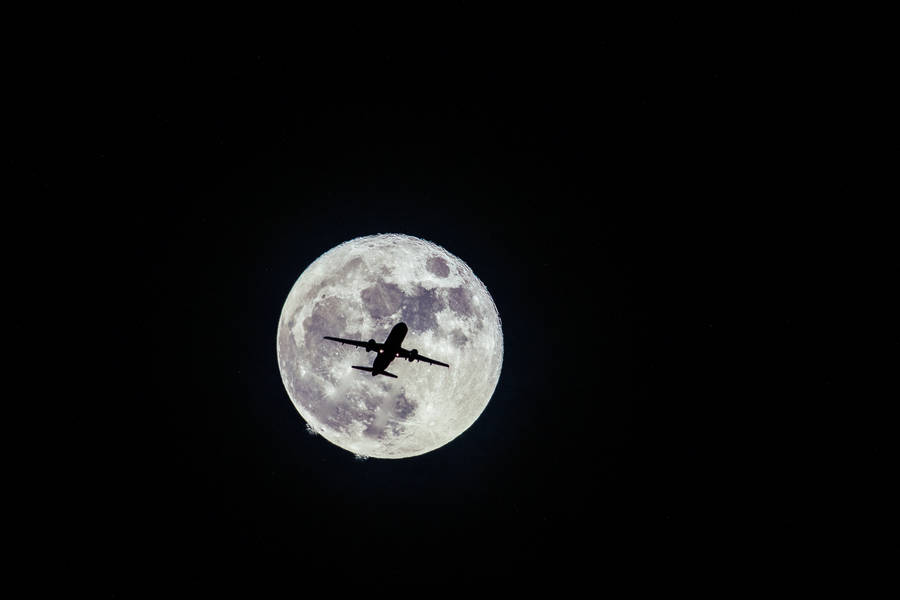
(360, 290)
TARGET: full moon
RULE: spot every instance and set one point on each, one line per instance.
(359, 290)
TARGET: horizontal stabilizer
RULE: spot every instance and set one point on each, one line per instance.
(370, 370)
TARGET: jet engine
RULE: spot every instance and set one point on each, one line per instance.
(413, 355)
(370, 346)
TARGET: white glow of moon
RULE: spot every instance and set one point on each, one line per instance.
(360, 290)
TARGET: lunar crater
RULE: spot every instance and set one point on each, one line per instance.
(458, 299)
(458, 337)
(382, 299)
(327, 316)
(419, 311)
(437, 266)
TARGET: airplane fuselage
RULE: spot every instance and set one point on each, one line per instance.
(390, 350)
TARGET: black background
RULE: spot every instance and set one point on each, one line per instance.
(598, 189)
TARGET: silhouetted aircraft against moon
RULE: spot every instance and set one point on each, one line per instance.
(388, 351)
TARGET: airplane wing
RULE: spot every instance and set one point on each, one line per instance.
(431, 361)
(414, 355)
(367, 345)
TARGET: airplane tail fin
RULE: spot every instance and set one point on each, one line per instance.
(370, 370)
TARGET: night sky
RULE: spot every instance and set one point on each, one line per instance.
(593, 188)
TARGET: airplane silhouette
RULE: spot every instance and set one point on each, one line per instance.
(388, 351)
